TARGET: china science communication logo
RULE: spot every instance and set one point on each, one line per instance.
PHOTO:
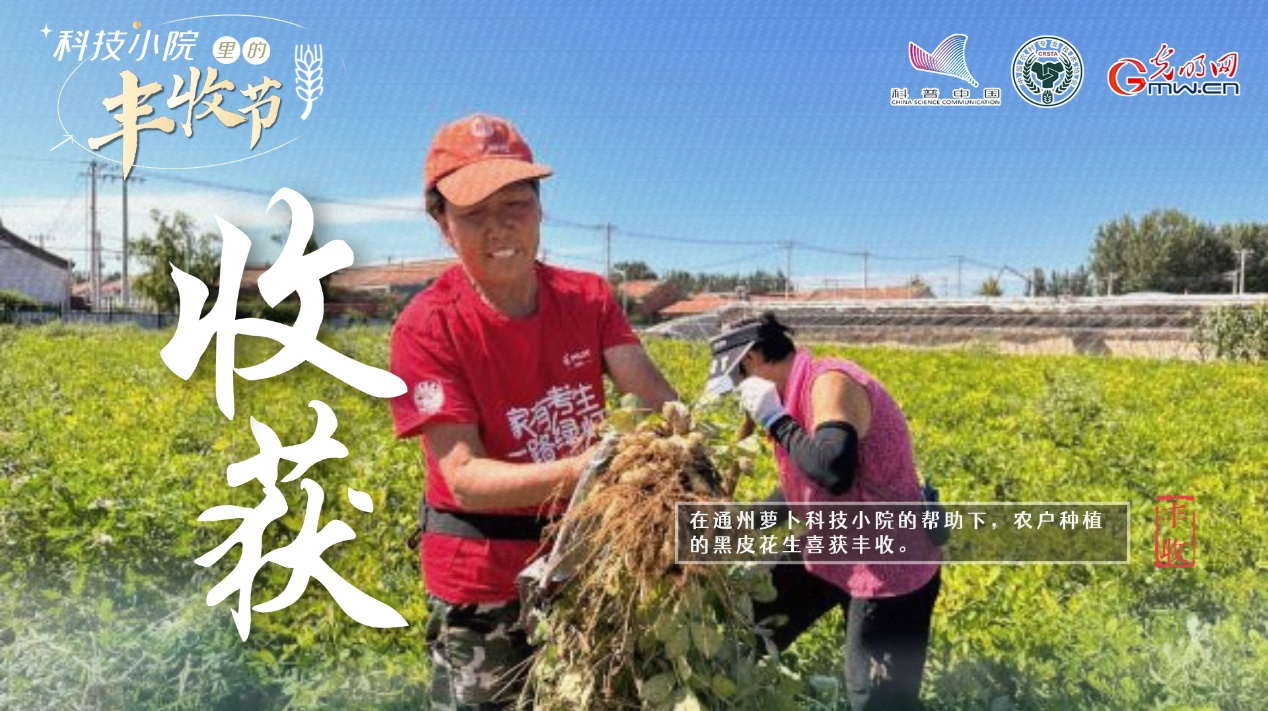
(947, 59)
(1047, 71)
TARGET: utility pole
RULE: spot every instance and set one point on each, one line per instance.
(91, 233)
(607, 251)
(94, 240)
(788, 250)
(959, 275)
(127, 287)
(865, 256)
(625, 294)
(1241, 270)
(126, 292)
(1110, 291)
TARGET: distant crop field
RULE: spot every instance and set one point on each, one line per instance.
(107, 459)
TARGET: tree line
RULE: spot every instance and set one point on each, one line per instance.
(757, 282)
(1165, 250)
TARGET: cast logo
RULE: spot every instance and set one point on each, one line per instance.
(429, 397)
(1127, 76)
(946, 59)
(1047, 71)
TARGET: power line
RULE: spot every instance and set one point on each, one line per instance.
(552, 220)
(869, 254)
(68, 249)
(556, 221)
(269, 193)
(694, 240)
(30, 159)
(828, 250)
(982, 265)
(892, 258)
(574, 258)
(739, 260)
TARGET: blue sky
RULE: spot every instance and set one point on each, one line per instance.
(738, 125)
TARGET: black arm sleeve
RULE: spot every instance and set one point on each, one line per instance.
(830, 458)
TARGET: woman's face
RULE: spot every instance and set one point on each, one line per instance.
(497, 238)
(754, 364)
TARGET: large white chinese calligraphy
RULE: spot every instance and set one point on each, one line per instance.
(302, 555)
(294, 273)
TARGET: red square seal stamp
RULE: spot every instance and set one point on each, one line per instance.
(1175, 532)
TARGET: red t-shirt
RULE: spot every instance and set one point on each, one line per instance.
(533, 385)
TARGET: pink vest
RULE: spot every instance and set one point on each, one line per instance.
(886, 472)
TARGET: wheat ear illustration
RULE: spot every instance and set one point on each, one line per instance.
(1030, 63)
(1069, 74)
(308, 75)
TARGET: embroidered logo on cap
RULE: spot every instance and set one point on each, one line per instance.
(480, 127)
(493, 136)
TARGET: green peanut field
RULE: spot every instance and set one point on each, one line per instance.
(107, 459)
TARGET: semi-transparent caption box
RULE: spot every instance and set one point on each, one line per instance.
(899, 533)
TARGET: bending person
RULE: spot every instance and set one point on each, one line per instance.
(838, 437)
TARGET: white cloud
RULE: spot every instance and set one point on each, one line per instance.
(64, 221)
(407, 209)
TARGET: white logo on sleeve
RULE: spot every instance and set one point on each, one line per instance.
(429, 397)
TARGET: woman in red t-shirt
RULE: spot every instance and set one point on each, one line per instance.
(504, 359)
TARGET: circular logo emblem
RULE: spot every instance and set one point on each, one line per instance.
(428, 397)
(1047, 71)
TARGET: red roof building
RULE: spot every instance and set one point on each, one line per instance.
(646, 298)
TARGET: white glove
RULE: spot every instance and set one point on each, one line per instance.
(760, 400)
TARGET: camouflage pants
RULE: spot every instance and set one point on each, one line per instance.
(478, 655)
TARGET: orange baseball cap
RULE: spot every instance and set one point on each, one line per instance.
(474, 157)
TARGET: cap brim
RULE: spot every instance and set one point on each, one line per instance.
(722, 369)
(471, 184)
